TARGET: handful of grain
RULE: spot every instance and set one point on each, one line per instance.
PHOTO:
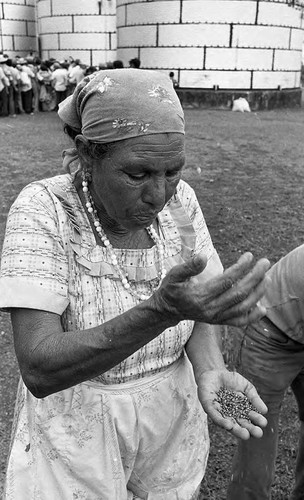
(234, 405)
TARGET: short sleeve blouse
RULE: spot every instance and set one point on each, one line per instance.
(50, 261)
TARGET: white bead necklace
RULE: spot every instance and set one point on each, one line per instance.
(101, 234)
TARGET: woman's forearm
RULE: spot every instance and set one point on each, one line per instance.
(204, 348)
(52, 360)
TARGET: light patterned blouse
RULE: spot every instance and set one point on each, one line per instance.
(51, 262)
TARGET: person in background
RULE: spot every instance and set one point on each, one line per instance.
(60, 82)
(118, 64)
(4, 88)
(26, 78)
(76, 73)
(33, 63)
(90, 70)
(14, 91)
(71, 63)
(7, 68)
(272, 358)
(134, 63)
(16, 65)
(4, 84)
(47, 96)
(50, 62)
(115, 291)
(173, 79)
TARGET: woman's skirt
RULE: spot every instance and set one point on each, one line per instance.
(145, 439)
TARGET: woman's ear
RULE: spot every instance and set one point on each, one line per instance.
(82, 146)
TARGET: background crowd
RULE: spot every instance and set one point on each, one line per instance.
(29, 85)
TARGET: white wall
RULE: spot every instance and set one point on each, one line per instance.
(244, 44)
(231, 44)
(83, 29)
(17, 27)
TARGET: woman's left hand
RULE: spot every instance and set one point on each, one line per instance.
(210, 382)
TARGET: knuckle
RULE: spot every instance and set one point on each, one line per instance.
(240, 297)
(227, 284)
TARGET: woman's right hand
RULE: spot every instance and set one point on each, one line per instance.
(230, 298)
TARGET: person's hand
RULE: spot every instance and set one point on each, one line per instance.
(210, 382)
(230, 298)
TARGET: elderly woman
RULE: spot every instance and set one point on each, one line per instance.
(113, 283)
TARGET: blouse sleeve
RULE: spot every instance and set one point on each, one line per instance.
(34, 265)
(203, 239)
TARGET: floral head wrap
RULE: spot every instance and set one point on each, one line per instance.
(112, 105)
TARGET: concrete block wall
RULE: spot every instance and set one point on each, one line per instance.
(17, 27)
(244, 44)
(83, 29)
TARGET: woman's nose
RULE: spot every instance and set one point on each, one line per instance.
(155, 193)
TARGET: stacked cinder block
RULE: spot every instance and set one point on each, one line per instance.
(209, 44)
(82, 29)
(17, 27)
(222, 44)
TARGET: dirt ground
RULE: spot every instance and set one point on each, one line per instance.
(251, 191)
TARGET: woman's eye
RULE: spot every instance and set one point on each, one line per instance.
(137, 176)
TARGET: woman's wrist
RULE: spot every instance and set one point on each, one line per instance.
(165, 314)
(202, 373)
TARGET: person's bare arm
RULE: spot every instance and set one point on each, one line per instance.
(204, 348)
(51, 360)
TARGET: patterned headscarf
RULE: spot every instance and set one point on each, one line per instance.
(112, 105)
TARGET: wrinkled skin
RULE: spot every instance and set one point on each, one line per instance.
(132, 184)
(231, 298)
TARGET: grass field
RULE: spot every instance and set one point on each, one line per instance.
(251, 192)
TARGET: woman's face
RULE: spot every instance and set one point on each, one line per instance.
(138, 177)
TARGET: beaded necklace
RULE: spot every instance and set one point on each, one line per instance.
(103, 237)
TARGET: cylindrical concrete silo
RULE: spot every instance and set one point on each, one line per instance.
(215, 44)
(17, 27)
(82, 29)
